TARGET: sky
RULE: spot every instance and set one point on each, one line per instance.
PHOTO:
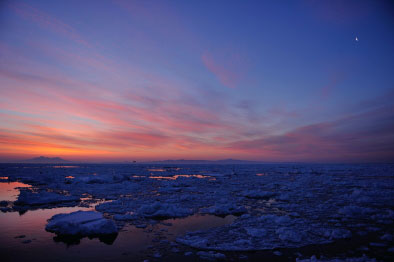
(302, 81)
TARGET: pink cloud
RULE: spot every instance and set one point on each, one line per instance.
(46, 21)
(359, 137)
(116, 123)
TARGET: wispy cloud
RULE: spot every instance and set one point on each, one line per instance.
(228, 69)
(47, 21)
(361, 137)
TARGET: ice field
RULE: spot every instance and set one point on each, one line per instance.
(278, 212)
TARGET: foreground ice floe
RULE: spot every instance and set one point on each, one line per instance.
(84, 223)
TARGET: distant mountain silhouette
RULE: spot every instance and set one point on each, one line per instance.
(46, 160)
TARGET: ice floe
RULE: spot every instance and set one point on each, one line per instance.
(160, 210)
(84, 223)
(224, 209)
(29, 197)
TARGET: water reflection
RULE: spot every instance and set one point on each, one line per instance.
(71, 240)
(156, 170)
(64, 166)
(180, 226)
(9, 190)
(165, 169)
(174, 177)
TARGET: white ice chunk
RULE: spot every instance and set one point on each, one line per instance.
(84, 223)
(159, 210)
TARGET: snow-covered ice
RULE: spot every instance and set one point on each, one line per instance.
(28, 197)
(84, 223)
(224, 209)
(159, 210)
